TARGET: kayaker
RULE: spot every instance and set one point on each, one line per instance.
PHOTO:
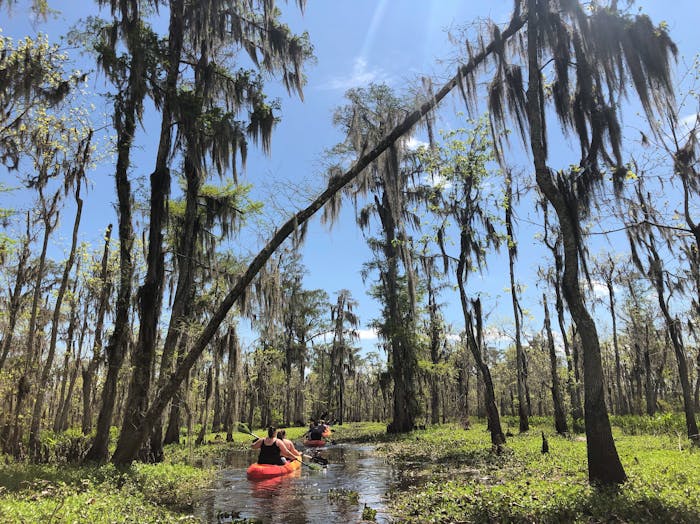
(315, 431)
(272, 450)
(282, 435)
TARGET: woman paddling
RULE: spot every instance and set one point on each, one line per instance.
(272, 449)
(282, 435)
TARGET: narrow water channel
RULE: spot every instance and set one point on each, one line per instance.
(303, 496)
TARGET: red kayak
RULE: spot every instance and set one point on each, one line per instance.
(265, 471)
(314, 443)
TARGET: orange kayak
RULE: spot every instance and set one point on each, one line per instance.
(314, 443)
(265, 471)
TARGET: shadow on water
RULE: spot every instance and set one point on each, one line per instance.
(302, 497)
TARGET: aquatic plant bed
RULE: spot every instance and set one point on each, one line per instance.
(452, 476)
(100, 494)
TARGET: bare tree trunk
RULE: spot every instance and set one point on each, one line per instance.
(16, 296)
(656, 276)
(61, 420)
(34, 443)
(205, 418)
(118, 343)
(13, 445)
(88, 372)
(216, 419)
(232, 383)
(560, 423)
(434, 328)
(166, 393)
(151, 292)
(649, 384)
(604, 466)
(172, 432)
(621, 403)
(473, 322)
(62, 387)
(519, 351)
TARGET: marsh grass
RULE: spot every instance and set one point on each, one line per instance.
(456, 478)
(448, 475)
(144, 493)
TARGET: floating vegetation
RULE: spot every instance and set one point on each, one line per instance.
(348, 495)
(369, 514)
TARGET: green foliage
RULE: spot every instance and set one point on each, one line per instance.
(670, 424)
(362, 432)
(369, 514)
(66, 447)
(349, 495)
(457, 478)
(145, 493)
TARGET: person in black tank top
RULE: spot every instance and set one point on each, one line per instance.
(271, 449)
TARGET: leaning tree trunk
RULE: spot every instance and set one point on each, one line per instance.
(473, 324)
(621, 404)
(604, 466)
(13, 446)
(166, 393)
(64, 402)
(519, 351)
(560, 423)
(89, 372)
(16, 296)
(674, 330)
(34, 443)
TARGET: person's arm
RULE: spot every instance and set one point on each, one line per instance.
(284, 451)
(257, 444)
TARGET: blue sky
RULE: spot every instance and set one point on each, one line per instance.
(356, 42)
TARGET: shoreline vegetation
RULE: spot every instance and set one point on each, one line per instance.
(445, 474)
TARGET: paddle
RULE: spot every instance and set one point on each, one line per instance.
(319, 460)
(243, 428)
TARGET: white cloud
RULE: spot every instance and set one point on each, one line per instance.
(367, 334)
(413, 143)
(494, 336)
(600, 289)
(690, 120)
(688, 123)
(360, 76)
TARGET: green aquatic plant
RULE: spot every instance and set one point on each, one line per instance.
(349, 495)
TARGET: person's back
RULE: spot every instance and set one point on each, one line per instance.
(316, 433)
(269, 454)
(271, 449)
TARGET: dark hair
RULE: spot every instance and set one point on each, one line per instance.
(271, 431)
(281, 434)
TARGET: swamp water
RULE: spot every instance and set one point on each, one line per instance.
(303, 496)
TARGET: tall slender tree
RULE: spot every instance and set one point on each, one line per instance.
(371, 111)
(607, 49)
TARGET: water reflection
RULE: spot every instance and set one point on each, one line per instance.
(302, 497)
